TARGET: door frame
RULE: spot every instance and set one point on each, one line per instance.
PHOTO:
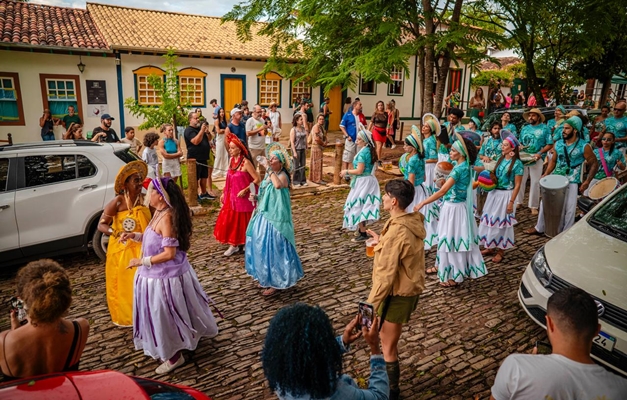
(344, 96)
(226, 76)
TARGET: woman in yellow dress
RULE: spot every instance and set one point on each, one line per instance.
(125, 213)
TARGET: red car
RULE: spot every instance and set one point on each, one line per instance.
(95, 385)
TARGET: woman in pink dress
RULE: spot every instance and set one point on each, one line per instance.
(236, 207)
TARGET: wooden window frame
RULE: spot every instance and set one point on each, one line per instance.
(77, 88)
(361, 82)
(401, 80)
(146, 71)
(269, 77)
(18, 94)
(292, 86)
(195, 73)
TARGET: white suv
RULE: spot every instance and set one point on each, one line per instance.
(52, 195)
(591, 255)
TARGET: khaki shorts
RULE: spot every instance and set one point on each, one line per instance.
(350, 151)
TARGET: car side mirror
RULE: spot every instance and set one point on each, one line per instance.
(586, 204)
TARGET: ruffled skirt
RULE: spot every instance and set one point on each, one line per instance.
(271, 259)
(496, 229)
(458, 254)
(170, 314)
(363, 202)
(430, 211)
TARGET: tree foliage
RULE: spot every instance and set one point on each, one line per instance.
(171, 110)
(332, 42)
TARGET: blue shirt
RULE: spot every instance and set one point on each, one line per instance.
(610, 160)
(347, 389)
(575, 153)
(239, 131)
(534, 138)
(505, 180)
(491, 148)
(461, 175)
(619, 128)
(512, 128)
(349, 122)
(363, 157)
(415, 165)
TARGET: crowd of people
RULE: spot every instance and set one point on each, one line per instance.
(446, 169)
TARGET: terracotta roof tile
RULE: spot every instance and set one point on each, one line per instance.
(42, 25)
(149, 30)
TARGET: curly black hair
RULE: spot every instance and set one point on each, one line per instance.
(150, 138)
(300, 355)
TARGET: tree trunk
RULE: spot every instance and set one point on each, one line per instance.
(427, 92)
(607, 84)
(421, 81)
(532, 79)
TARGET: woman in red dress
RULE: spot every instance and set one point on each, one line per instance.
(236, 208)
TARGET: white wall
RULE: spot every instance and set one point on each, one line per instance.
(30, 65)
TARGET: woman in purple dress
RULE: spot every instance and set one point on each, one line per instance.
(170, 309)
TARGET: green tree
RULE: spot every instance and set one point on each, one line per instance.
(329, 43)
(171, 110)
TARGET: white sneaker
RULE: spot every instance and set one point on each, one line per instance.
(304, 184)
(393, 147)
(231, 250)
(167, 366)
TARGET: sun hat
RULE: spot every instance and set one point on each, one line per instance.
(533, 111)
(474, 137)
(415, 139)
(278, 150)
(134, 167)
(433, 122)
(366, 136)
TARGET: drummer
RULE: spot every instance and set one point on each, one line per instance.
(608, 157)
(535, 139)
(491, 148)
(569, 155)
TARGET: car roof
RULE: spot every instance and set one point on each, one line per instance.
(16, 147)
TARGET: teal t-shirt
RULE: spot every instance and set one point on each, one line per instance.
(461, 175)
(512, 128)
(575, 153)
(363, 157)
(534, 138)
(619, 127)
(491, 148)
(610, 160)
(68, 120)
(505, 180)
(431, 153)
(415, 165)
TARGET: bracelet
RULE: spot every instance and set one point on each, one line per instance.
(146, 262)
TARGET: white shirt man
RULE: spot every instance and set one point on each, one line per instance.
(569, 373)
(255, 130)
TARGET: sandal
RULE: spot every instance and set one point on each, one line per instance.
(497, 258)
(269, 292)
(432, 270)
(487, 252)
(449, 284)
(532, 231)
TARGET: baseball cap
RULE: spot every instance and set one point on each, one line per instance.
(235, 110)
(107, 116)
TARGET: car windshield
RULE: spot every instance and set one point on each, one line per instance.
(611, 217)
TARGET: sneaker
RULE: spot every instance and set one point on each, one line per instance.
(393, 147)
(231, 250)
(207, 196)
(361, 238)
(167, 366)
(304, 184)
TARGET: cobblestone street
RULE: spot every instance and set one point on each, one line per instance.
(451, 349)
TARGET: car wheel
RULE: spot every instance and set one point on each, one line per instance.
(100, 242)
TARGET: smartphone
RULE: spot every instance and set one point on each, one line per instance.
(366, 314)
(544, 348)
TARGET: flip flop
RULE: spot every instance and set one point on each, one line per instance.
(532, 231)
(431, 271)
(269, 292)
(449, 284)
(486, 252)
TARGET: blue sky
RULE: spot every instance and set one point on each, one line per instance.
(203, 7)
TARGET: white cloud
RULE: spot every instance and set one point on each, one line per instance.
(203, 7)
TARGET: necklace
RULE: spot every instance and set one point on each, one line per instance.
(238, 163)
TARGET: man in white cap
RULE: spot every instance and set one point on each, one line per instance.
(536, 140)
(236, 126)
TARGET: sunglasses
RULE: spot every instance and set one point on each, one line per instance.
(607, 140)
(619, 109)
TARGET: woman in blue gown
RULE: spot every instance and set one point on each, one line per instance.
(271, 256)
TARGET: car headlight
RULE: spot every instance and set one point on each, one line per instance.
(541, 268)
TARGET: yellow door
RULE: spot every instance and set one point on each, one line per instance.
(233, 93)
(335, 105)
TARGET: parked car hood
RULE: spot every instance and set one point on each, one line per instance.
(591, 260)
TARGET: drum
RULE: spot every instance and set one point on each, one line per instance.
(441, 172)
(527, 158)
(490, 165)
(553, 189)
(602, 188)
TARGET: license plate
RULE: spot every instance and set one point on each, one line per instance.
(606, 341)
